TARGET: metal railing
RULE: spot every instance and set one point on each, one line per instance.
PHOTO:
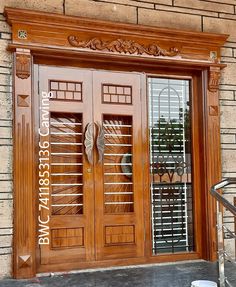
(222, 229)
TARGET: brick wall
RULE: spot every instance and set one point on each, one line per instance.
(198, 15)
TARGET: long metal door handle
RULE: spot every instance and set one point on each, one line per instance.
(88, 142)
(100, 142)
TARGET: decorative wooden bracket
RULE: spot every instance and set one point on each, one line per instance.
(214, 78)
(23, 65)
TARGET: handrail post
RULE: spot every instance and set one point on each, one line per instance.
(220, 242)
(221, 203)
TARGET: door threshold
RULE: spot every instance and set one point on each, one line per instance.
(88, 270)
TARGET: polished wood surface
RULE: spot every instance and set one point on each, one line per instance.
(122, 126)
(24, 265)
(79, 34)
(175, 53)
(109, 207)
(212, 156)
(70, 216)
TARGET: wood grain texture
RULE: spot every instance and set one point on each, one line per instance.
(71, 215)
(24, 199)
(144, 41)
(213, 161)
(120, 196)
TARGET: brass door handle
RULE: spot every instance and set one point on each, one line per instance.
(88, 142)
(100, 142)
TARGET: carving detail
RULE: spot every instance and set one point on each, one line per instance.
(122, 46)
(22, 34)
(22, 66)
(24, 261)
(23, 100)
(213, 110)
(214, 79)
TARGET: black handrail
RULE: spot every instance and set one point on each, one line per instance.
(220, 198)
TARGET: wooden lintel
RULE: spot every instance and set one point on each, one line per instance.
(34, 29)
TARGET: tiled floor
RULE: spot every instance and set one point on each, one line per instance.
(173, 275)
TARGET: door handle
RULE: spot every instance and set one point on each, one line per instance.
(100, 142)
(88, 142)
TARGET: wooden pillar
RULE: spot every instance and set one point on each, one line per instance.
(24, 190)
(213, 154)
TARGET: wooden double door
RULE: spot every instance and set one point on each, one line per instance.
(96, 181)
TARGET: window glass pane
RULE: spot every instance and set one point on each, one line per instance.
(170, 169)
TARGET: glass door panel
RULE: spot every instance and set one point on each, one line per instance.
(118, 184)
(170, 169)
(66, 139)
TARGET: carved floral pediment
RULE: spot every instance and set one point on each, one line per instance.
(122, 46)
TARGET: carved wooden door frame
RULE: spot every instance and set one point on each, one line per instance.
(92, 43)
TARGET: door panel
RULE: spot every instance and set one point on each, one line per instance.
(171, 165)
(119, 217)
(96, 200)
(71, 186)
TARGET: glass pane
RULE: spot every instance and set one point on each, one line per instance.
(66, 163)
(118, 167)
(170, 158)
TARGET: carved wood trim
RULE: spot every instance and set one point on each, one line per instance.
(25, 261)
(110, 38)
(214, 79)
(122, 46)
(213, 110)
(23, 66)
(23, 100)
(24, 212)
(212, 152)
